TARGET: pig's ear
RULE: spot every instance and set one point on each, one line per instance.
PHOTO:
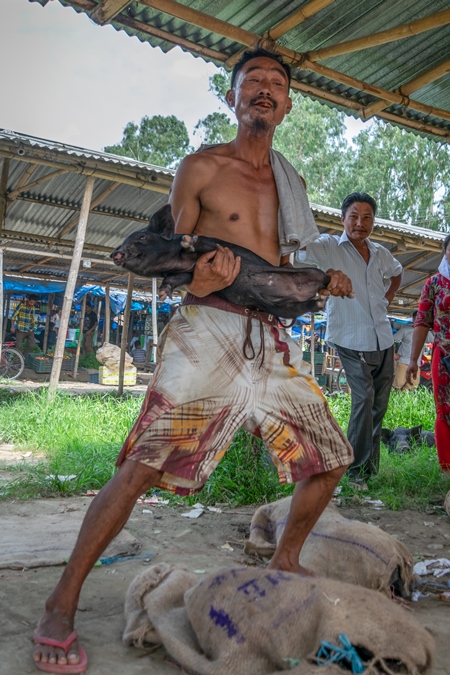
(385, 435)
(416, 432)
(162, 222)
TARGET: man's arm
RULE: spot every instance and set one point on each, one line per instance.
(215, 270)
(393, 288)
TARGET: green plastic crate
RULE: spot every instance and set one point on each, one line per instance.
(40, 365)
(318, 358)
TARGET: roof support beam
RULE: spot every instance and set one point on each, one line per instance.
(74, 207)
(295, 19)
(3, 195)
(383, 37)
(94, 203)
(43, 179)
(31, 236)
(29, 170)
(409, 88)
(107, 10)
(414, 283)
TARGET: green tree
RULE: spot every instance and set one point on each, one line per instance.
(158, 140)
(216, 128)
(312, 138)
(408, 175)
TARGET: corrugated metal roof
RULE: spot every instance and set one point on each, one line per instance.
(387, 66)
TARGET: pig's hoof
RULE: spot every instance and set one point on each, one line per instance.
(165, 292)
(188, 241)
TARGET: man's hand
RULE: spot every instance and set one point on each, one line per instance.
(411, 372)
(214, 271)
(13, 330)
(389, 297)
(340, 285)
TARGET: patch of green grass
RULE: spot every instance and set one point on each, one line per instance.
(412, 480)
(81, 436)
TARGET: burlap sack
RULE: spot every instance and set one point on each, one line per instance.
(338, 548)
(109, 356)
(447, 504)
(249, 621)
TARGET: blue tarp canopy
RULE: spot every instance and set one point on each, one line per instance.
(117, 300)
(20, 285)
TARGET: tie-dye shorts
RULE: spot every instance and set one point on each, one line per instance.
(204, 390)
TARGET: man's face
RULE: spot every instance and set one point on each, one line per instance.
(260, 97)
(358, 221)
(31, 303)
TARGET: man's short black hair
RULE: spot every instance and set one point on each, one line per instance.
(250, 54)
(361, 197)
(33, 296)
(446, 242)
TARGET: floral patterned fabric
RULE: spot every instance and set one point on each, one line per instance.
(434, 313)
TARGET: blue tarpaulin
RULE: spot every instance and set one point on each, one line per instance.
(117, 300)
(20, 285)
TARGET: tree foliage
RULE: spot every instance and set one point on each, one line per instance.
(162, 141)
(216, 128)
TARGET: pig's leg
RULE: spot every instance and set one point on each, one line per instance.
(172, 281)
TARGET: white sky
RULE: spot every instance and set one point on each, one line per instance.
(69, 80)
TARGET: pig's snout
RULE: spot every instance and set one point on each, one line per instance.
(118, 257)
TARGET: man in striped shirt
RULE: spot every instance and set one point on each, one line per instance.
(23, 322)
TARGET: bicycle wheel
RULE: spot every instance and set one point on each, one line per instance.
(12, 363)
(341, 382)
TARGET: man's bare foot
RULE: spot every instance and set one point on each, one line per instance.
(56, 626)
(284, 564)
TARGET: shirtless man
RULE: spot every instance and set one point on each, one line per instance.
(204, 389)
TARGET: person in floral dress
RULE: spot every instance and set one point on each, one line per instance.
(434, 314)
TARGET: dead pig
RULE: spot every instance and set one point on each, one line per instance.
(156, 251)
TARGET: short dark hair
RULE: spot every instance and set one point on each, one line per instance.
(414, 314)
(446, 242)
(33, 296)
(250, 54)
(361, 197)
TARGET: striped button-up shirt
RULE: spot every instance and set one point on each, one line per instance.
(360, 323)
(24, 317)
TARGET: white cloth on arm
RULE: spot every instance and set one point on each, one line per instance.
(360, 323)
(444, 268)
(296, 225)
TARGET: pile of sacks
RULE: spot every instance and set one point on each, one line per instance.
(248, 621)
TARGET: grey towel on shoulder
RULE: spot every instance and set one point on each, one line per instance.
(296, 224)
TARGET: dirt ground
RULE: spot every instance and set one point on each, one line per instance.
(196, 544)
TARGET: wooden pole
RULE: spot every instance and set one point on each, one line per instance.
(70, 286)
(3, 189)
(80, 337)
(1, 297)
(123, 344)
(99, 311)
(107, 323)
(5, 323)
(313, 365)
(47, 321)
(154, 318)
(383, 37)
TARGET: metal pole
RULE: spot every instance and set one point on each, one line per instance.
(70, 286)
(123, 345)
(107, 323)
(80, 337)
(313, 365)
(99, 311)
(154, 318)
(47, 321)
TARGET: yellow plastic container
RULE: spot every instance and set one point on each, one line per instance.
(111, 377)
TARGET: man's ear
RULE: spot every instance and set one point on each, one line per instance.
(288, 106)
(230, 97)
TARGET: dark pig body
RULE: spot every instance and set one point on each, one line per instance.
(157, 251)
(402, 439)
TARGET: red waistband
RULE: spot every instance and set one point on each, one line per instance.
(215, 301)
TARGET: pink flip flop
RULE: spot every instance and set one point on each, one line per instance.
(60, 667)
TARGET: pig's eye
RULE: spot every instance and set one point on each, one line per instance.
(142, 237)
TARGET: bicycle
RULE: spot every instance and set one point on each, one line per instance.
(12, 362)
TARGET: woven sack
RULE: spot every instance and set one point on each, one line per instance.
(339, 548)
(248, 621)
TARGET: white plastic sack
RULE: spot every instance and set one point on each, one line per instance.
(109, 356)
